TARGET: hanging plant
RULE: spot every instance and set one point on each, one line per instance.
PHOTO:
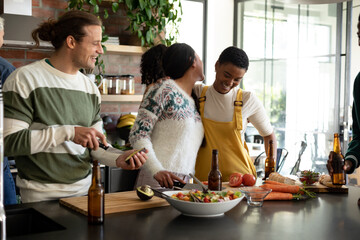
(147, 19)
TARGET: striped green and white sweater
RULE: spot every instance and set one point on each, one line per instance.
(42, 107)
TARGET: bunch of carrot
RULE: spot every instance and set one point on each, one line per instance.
(283, 191)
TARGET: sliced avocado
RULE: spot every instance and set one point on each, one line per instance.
(132, 154)
(144, 192)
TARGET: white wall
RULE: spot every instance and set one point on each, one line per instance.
(220, 30)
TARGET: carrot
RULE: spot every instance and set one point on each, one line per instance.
(275, 183)
(279, 196)
(282, 188)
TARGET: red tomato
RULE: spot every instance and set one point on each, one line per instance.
(180, 195)
(235, 180)
(249, 180)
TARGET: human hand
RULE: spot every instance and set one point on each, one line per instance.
(347, 166)
(88, 137)
(329, 163)
(165, 179)
(135, 162)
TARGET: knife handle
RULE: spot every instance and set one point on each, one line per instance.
(178, 184)
(101, 145)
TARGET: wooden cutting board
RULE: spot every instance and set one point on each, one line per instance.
(319, 188)
(115, 202)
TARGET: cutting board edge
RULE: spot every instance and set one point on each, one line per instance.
(79, 204)
(77, 209)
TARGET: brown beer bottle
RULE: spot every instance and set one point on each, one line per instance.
(270, 160)
(96, 197)
(215, 178)
(338, 176)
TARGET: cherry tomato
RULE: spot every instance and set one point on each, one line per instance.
(235, 180)
(249, 180)
(180, 195)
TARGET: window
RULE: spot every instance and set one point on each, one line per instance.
(292, 51)
(193, 25)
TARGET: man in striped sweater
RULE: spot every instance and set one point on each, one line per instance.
(52, 121)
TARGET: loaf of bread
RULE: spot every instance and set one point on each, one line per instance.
(280, 178)
(326, 181)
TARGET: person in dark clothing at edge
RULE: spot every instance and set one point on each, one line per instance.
(5, 69)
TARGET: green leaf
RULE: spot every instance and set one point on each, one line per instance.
(153, 3)
(105, 38)
(148, 36)
(142, 4)
(142, 41)
(115, 7)
(148, 12)
(72, 4)
(93, 2)
(96, 9)
(139, 33)
(135, 27)
(129, 4)
(106, 14)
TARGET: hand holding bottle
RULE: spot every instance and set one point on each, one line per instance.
(336, 164)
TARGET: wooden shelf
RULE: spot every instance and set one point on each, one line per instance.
(125, 49)
(121, 98)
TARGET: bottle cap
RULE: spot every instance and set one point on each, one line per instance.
(215, 151)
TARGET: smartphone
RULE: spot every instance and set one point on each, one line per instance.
(128, 158)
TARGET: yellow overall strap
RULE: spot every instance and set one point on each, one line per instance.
(238, 103)
(202, 100)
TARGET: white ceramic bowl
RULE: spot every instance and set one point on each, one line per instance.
(195, 209)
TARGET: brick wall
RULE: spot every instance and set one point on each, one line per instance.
(115, 25)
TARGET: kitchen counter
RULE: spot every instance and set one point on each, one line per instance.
(329, 216)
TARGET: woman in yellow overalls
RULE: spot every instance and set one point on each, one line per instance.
(225, 112)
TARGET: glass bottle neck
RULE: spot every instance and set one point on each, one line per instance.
(96, 175)
(215, 162)
(337, 147)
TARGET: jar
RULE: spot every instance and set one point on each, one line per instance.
(103, 88)
(110, 83)
(127, 84)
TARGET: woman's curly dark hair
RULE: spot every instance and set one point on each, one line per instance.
(235, 56)
(151, 68)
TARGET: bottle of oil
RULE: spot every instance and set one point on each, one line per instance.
(96, 196)
(270, 160)
(337, 163)
(215, 178)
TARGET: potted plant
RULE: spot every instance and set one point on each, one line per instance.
(147, 19)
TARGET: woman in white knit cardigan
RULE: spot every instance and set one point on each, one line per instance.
(168, 122)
